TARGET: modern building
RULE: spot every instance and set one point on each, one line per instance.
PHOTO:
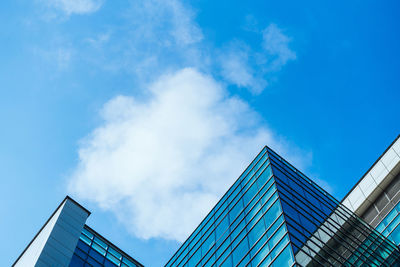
(65, 240)
(376, 196)
(273, 215)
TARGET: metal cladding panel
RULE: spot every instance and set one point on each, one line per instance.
(55, 243)
(375, 180)
(62, 241)
(32, 253)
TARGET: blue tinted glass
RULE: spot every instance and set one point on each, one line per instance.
(256, 232)
(100, 242)
(274, 226)
(83, 246)
(195, 258)
(240, 251)
(227, 262)
(251, 193)
(393, 224)
(269, 202)
(235, 195)
(307, 224)
(87, 233)
(261, 256)
(113, 259)
(95, 255)
(239, 237)
(273, 212)
(254, 219)
(236, 210)
(274, 239)
(93, 262)
(85, 239)
(223, 255)
(395, 235)
(268, 194)
(224, 245)
(100, 252)
(108, 263)
(128, 262)
(99, 249)
(222, 227)
(279, 247)
(208, 243)
(114, 253)
(267, 173)
(81, 254)
(284, 259)
(76, 262)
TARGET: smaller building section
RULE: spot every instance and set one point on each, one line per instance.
(65, 240)
(376, 197)
(95, 250)
(274, 215)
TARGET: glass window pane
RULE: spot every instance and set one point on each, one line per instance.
(85, 239)
(87, 233)
(240, 251)
(284, 259)
(256, 232)
(114, 253)
(113, 259)
(99, 249)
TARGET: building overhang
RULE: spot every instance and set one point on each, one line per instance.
(375, 180)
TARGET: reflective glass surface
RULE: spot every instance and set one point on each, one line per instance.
(94, 250)
(322, 231)
(245, 228)
(389, 226)
(274, 215)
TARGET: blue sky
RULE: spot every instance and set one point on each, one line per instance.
(143, 110)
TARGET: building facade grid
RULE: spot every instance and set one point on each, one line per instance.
(231, 234)
(95, 251)
(275, 215)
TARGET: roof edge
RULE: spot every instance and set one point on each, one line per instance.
(67, 197)
(370, 168)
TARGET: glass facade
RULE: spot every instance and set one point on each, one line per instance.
(273, 215)
(389, 226)
(381, 209)
(322, 231)
(94, 250)
(245, 228)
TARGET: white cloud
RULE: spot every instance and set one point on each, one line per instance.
(160, 164)
(166, 23)
(246, 67)
(70, 7)
(277, 44)
(152, 37)
(237, 69)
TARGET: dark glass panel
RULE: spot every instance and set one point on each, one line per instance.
(94, 254)
(83, 246)
(108, 263)
(76, 261)
(94, 262)
(80, 253)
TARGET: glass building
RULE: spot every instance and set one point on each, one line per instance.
(274, 215)
(65, 240)
(94, 250)
(376, 196)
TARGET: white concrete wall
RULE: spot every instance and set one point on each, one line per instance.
(372, 184)
(56, 242)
